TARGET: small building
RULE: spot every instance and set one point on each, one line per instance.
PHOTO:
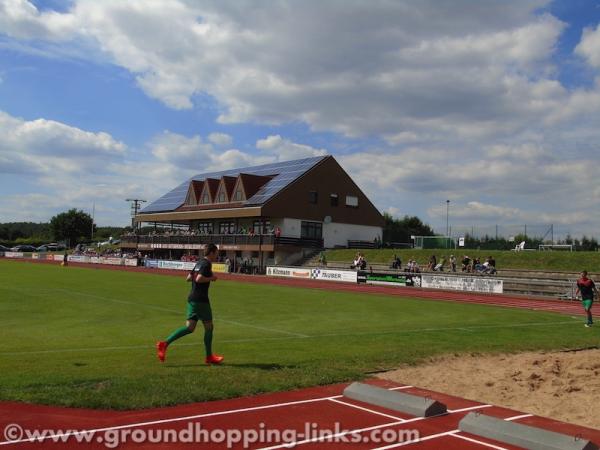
(270, 214)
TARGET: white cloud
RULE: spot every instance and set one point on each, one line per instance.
(45, 146)
(220, 139)
(21, 19)
(589, 46)
(284, 149)
(388, 68)
(455, 99)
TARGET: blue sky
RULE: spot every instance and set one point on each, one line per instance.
(492, 105)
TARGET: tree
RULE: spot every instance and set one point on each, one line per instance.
(71, 226)
(400, 230)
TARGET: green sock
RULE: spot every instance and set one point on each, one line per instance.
(208, 335)
(178, 333)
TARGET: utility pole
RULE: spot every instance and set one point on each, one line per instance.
(93, 214)
(136, 203)
(447, 218)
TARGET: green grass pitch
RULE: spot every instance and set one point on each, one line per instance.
(82, 337)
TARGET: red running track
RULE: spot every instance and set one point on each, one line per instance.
(536, 304)
(269, 421)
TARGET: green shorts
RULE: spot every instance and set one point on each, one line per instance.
(199, 311)
(587, 303)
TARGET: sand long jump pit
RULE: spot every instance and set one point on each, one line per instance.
(561, 385)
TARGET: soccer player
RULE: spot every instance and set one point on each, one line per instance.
(587, 288)
(198, 307)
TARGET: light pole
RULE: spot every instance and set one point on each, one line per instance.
(136, 203)
(447, 218)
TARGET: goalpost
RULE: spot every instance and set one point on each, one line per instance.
(425, 242)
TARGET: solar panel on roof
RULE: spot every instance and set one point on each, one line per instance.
(285, 173)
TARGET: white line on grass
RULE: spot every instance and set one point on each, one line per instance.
(314, 336)
(160, 308)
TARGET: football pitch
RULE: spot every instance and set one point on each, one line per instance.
(84, 337)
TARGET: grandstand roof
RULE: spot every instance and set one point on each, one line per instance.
(283, 174)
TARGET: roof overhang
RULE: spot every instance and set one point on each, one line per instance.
(178, 216)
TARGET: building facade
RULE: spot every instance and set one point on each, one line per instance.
(272, 214)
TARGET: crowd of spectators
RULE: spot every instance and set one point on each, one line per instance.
(247, 231)
(359, 262)
(434, 265)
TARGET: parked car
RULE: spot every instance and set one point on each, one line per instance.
(4, 249)
(52, 247)
(23, 248)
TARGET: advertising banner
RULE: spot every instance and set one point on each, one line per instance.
(152, 263)
(176, 265)
(392, 279)
(289, 272)
(57, 257)
(14, 254)
(221, 268)
(469, 284)
(79, 258)
(131, 262)
(346, 276)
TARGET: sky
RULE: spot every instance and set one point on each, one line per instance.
(493, 105)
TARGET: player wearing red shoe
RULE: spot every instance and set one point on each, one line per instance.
(198, 307)
(587, 288)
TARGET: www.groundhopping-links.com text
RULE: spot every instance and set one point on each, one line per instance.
(194, 433)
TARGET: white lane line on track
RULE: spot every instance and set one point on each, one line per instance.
(475, 441)
(362, 430)
(367, 410)
(175, 419)
(179, 419)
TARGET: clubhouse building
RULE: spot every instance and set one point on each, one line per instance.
(272, 214)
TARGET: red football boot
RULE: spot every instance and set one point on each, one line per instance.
(214, 359)
(161, 350)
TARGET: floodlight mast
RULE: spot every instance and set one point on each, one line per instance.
(136, 203)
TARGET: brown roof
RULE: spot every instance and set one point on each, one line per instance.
(252, 183)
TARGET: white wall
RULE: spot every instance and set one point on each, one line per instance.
(289, 227)
(340, 233)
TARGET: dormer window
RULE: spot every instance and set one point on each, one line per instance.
(238, 196)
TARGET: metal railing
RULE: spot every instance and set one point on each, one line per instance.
(220, 239)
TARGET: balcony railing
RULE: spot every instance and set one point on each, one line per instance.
(220, 239)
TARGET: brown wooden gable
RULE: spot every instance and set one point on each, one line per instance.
(325, 178)
(213, 185)
(205, 193)
(194, 192)
(239, 185)
(226, 186)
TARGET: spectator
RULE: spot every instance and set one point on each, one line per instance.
(322, 259)
(396, 262)
(453, 263)
(432, 263)
(439, 267)
(277, 232)
(466, 264)
(492, 262)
